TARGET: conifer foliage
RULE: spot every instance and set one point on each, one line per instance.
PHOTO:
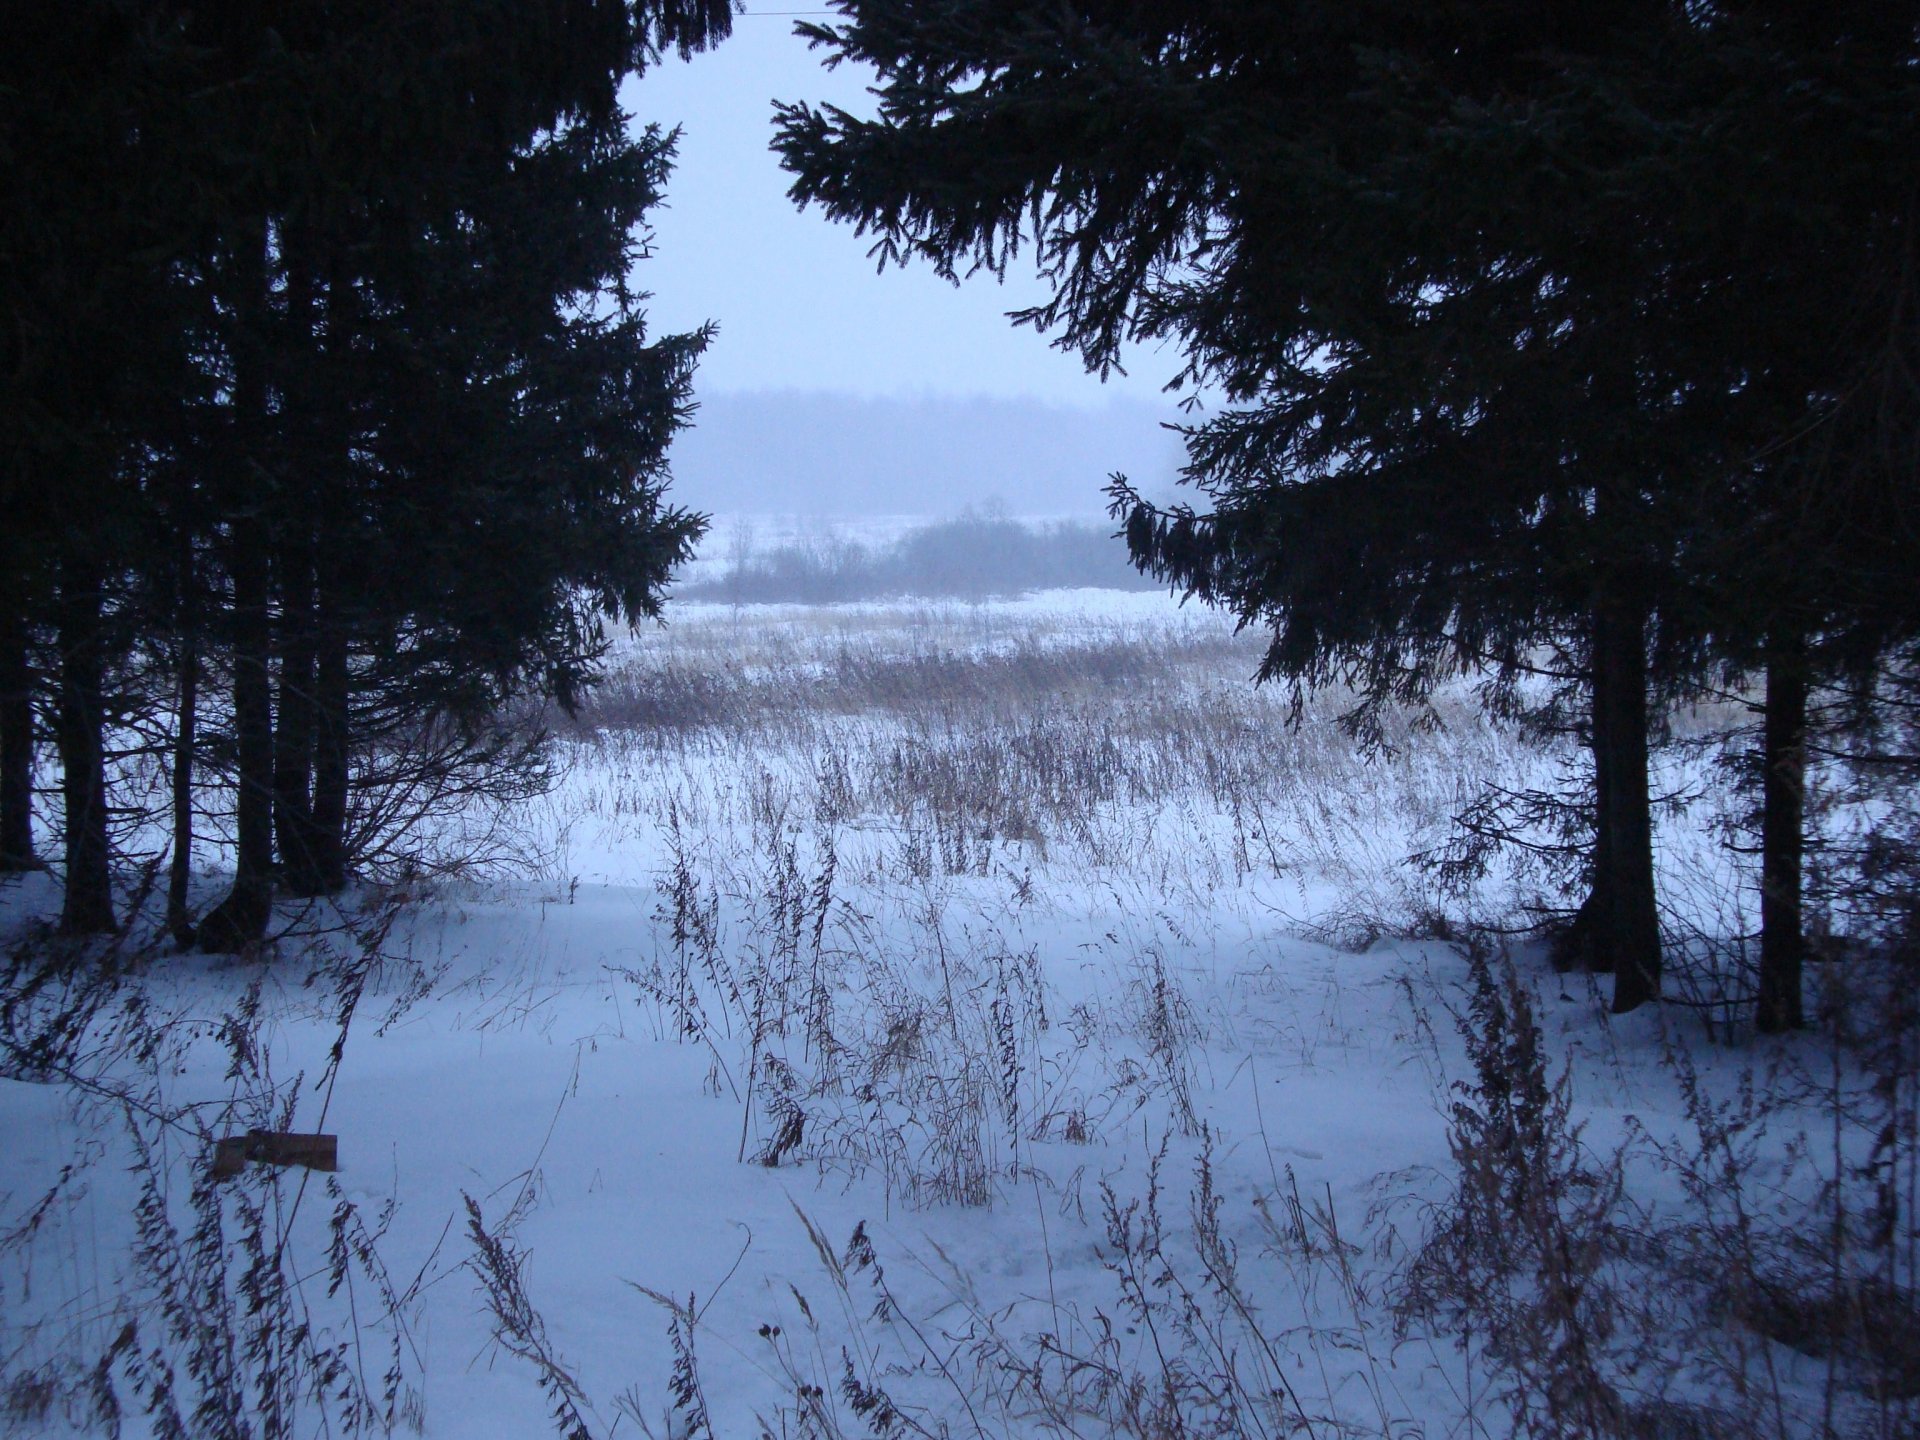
(1559, 325)
(331, 414)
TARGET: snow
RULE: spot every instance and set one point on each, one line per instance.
(993, 1009)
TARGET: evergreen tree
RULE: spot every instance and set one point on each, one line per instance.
(222, 223)
(473, 295)
(1505, 299)
(94, 350)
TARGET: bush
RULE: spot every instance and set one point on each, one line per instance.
(972, 557)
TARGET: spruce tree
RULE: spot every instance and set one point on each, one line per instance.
(217, 218)
(437, 307)
(94, 351)
(1509, 304)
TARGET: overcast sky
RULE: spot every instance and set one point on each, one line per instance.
(897, 380)
(796, 297)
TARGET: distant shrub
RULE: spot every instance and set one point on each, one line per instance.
(817, 570)
(973, 556)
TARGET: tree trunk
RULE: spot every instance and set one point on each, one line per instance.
(331, 738)
(293, 739)
(1585, 944)
(79, 731)
(332, 676)
(1628, 928)
(240, 920)
(179, 921)
(1783, 837)
(16, 740)
(308, 415)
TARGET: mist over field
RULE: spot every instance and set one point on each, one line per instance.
(791, 452)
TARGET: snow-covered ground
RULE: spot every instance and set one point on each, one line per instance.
(922, 1019)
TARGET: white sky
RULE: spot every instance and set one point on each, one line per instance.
(797, 300)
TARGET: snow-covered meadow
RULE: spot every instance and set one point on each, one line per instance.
(952, 1020)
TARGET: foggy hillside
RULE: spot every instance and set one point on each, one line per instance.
(770, 452)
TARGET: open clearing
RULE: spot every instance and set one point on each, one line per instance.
(924, 1019)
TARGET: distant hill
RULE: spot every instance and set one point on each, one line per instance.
(826, 454)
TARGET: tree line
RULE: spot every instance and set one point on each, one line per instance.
(975, 555)
(329, 412)
(1547, 335)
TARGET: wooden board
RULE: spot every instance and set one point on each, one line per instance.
(316, 1152)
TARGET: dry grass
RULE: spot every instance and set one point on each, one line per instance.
(949, 899)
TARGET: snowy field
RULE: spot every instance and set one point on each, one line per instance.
(940, 1020)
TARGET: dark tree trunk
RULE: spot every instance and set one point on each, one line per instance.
(179, 921)
(293, 740)
(331, 739)
(1585, 944)
(79, 731)
(309, 431)
(1783, 837)
(16, 740)
(240, 920)
(1628, 919)
(332, 679)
